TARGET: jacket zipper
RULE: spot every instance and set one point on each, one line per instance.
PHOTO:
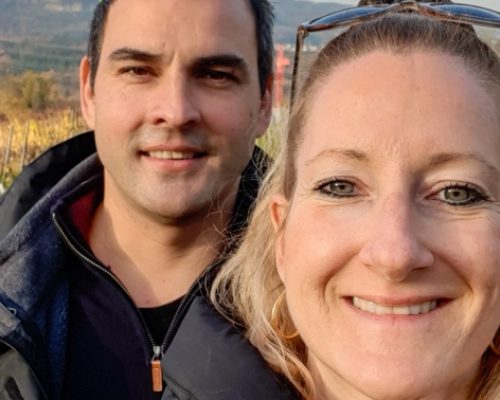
(42, 389)
(155, 364)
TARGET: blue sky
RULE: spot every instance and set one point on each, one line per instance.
(485, 3)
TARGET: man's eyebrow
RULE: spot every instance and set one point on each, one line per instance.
(222, 60)
(351, 154)
(127, 53)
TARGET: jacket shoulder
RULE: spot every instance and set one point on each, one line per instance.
(40, 176)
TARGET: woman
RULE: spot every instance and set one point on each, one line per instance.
(371, 268)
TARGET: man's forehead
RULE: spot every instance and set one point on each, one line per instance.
(194, 14)
(199, 27)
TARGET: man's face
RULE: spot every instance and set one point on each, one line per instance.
(176, 104)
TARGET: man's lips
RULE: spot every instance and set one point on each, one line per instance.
(175, 154)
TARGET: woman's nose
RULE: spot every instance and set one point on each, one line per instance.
(394, 246)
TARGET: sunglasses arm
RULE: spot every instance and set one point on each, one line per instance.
(302, 33)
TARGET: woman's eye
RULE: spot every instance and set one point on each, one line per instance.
(338, 188)
(460, 195)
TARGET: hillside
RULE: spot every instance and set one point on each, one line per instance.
(51, 34)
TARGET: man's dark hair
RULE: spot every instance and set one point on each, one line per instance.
(263, 15)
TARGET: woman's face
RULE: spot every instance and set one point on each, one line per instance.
(390, 253)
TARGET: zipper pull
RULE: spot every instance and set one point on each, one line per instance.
(156, 374)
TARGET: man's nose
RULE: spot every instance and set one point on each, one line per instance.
(174, 103)
(394, 246)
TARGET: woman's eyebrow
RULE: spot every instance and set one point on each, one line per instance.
(446, 158)
(351, 154)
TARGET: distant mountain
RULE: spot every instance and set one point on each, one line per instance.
(62, 22)
(51, 34)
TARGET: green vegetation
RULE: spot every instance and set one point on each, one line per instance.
(27, 93)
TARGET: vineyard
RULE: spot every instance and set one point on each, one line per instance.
(22, 141)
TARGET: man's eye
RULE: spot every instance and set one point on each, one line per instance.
(460, 195)
(136, 71)
(338, 188)
(218, 76)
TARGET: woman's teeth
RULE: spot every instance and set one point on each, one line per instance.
(410, 309)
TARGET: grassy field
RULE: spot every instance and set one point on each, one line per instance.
(21, 141)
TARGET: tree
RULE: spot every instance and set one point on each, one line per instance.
(37, 91)
(29, 92)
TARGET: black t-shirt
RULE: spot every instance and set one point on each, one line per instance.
(158, 319)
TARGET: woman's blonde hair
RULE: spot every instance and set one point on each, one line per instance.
(248, 286)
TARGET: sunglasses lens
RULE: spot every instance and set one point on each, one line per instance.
(464, 10)
(459, 10)
(344, 16)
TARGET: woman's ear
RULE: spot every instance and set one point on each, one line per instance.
(278, 208)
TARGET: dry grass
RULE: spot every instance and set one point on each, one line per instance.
(21, 141)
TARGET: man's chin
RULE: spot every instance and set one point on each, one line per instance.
(180, 212)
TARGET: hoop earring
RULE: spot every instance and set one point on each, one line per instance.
(278, 320)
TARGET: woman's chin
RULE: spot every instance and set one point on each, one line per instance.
(393, 379)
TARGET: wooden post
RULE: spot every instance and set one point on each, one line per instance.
(2, 159)
(73, 123)
(6, 157)
(25, 145)
(279, 75)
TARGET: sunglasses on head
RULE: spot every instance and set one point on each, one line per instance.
(449, 12)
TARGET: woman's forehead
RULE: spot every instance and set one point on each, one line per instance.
(387, 100)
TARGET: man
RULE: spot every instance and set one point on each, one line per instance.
(103, 281)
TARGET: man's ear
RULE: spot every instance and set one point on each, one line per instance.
(278, 209)
(86, 93)
(266, 106)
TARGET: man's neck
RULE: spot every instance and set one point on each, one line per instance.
(156, 261)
